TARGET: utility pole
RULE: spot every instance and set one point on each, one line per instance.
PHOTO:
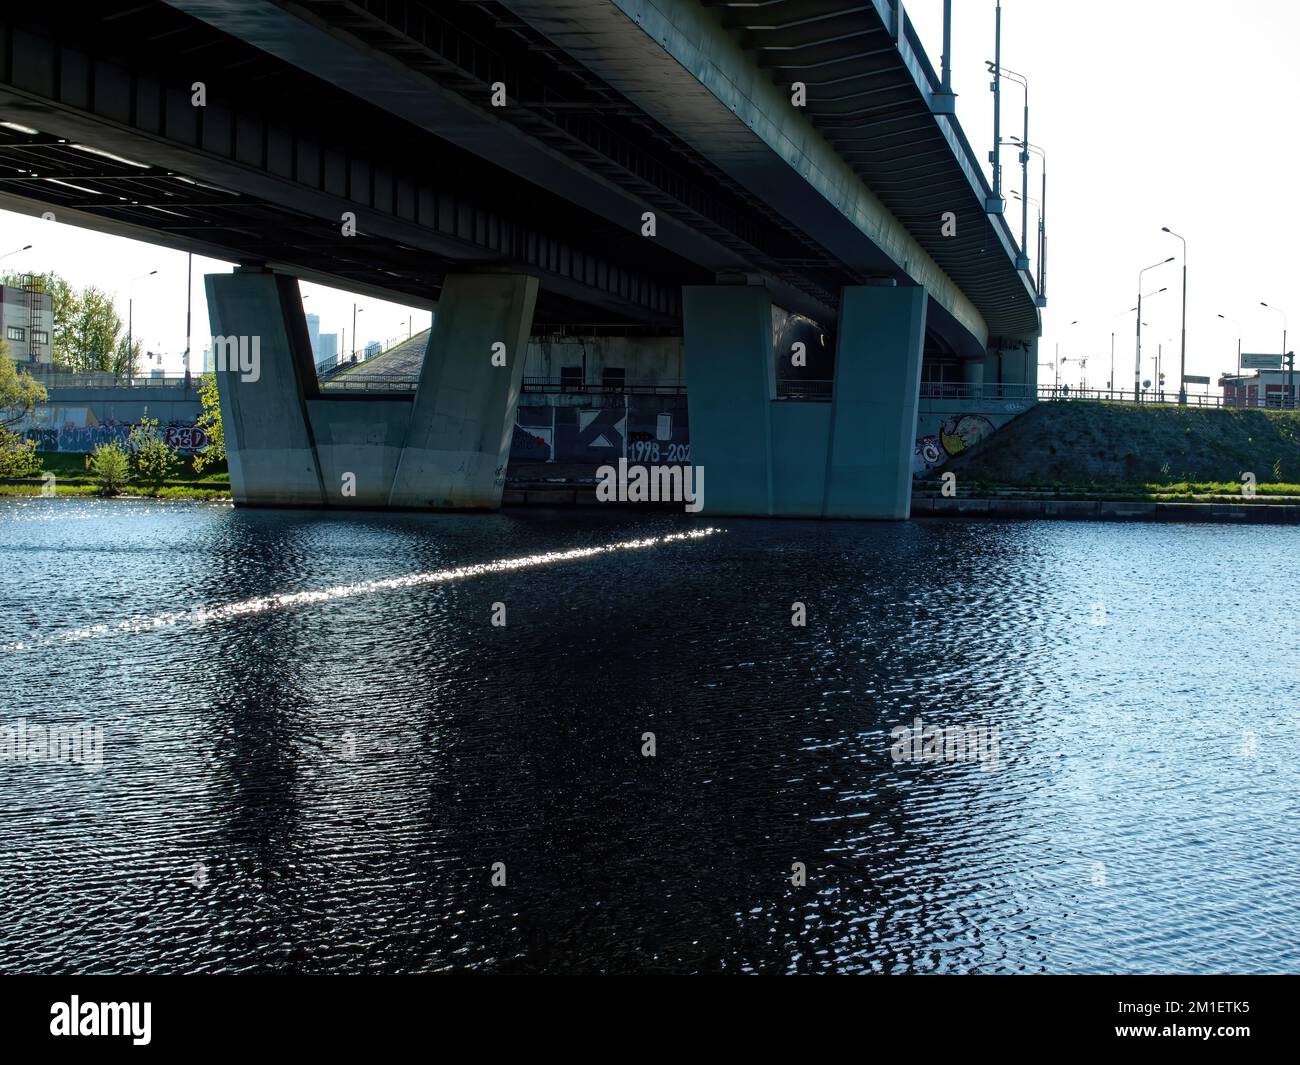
(1182, 363)
(189, 299)
(996, 157)
(1137, 358)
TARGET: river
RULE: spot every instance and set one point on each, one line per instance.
(279, 755)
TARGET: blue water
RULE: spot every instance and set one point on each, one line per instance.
(326, 785)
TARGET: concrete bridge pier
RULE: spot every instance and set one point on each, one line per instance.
(458, 444)
(265, 375)
(290, 445)
(850, 458)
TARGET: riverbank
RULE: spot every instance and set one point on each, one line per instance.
(1107, 510)
(927, 501)
(71, 478)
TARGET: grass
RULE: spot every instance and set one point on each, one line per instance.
(1160, 451)
(73, 479)
(1149, 492)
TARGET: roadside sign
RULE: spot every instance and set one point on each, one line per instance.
(1261, 362)
(1188, 379)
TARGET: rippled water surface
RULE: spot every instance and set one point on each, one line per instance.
(325, 782)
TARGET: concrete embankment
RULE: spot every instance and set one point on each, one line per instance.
(1108, 510)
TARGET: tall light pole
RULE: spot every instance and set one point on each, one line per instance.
(1182, 362)
(1238, 325)
(1042, 224)
(130, 314)
(1038, 281)
(1022, 263)
(945, 101)
(1137, 359)
(1291, 370)
(16, 251)
(355, 312)
(189, 299)
(995, 205)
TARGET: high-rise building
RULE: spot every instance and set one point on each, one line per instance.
(373, 349)
(329, 348)
(313, 331)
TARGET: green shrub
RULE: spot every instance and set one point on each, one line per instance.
(111, 468)
(17, 456)
(153, 460)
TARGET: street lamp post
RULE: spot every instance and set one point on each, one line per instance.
(1238, 325)
(16, 251)
(995, 204)
(1289, 402)
(1137, 359)
(1182, 362)
(130, 315)
(1022, 263)
(1042, 224)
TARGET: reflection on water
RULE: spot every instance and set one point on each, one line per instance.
(326, 785)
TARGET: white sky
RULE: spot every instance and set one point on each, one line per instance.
(1152, 112)
(1178, 113)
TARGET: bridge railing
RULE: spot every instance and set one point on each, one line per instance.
(1065, 394)
(360, 382)
(104, 379)
(957, 390)
(553, 385)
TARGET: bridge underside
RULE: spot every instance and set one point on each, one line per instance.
(354, 144)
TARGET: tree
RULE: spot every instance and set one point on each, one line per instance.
(94, 333)
(153, 460)
(210, 422)
(17, 456)
(126, 359)
(18, 392)
(18, 395)
(110, 467)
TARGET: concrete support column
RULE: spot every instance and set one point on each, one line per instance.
(458, 442)
(972, 373)
(264, 375)
(873, 416)
(730, 385)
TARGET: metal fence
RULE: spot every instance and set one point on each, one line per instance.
(555, 385)
(361, 382)
(102, 379)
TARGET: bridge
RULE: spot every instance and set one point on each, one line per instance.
(707, 173)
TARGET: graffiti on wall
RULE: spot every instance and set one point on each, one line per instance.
(640, 428)
(85, 438)
(955, 435)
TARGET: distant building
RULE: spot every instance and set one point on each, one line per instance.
(329, 348)
(1263, 388)
(373, 349)
(27, 324)
(313, 331)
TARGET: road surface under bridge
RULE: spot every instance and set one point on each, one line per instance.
(672, 166)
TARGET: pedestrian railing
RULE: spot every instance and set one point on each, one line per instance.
(359, 382)
(553, 385)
